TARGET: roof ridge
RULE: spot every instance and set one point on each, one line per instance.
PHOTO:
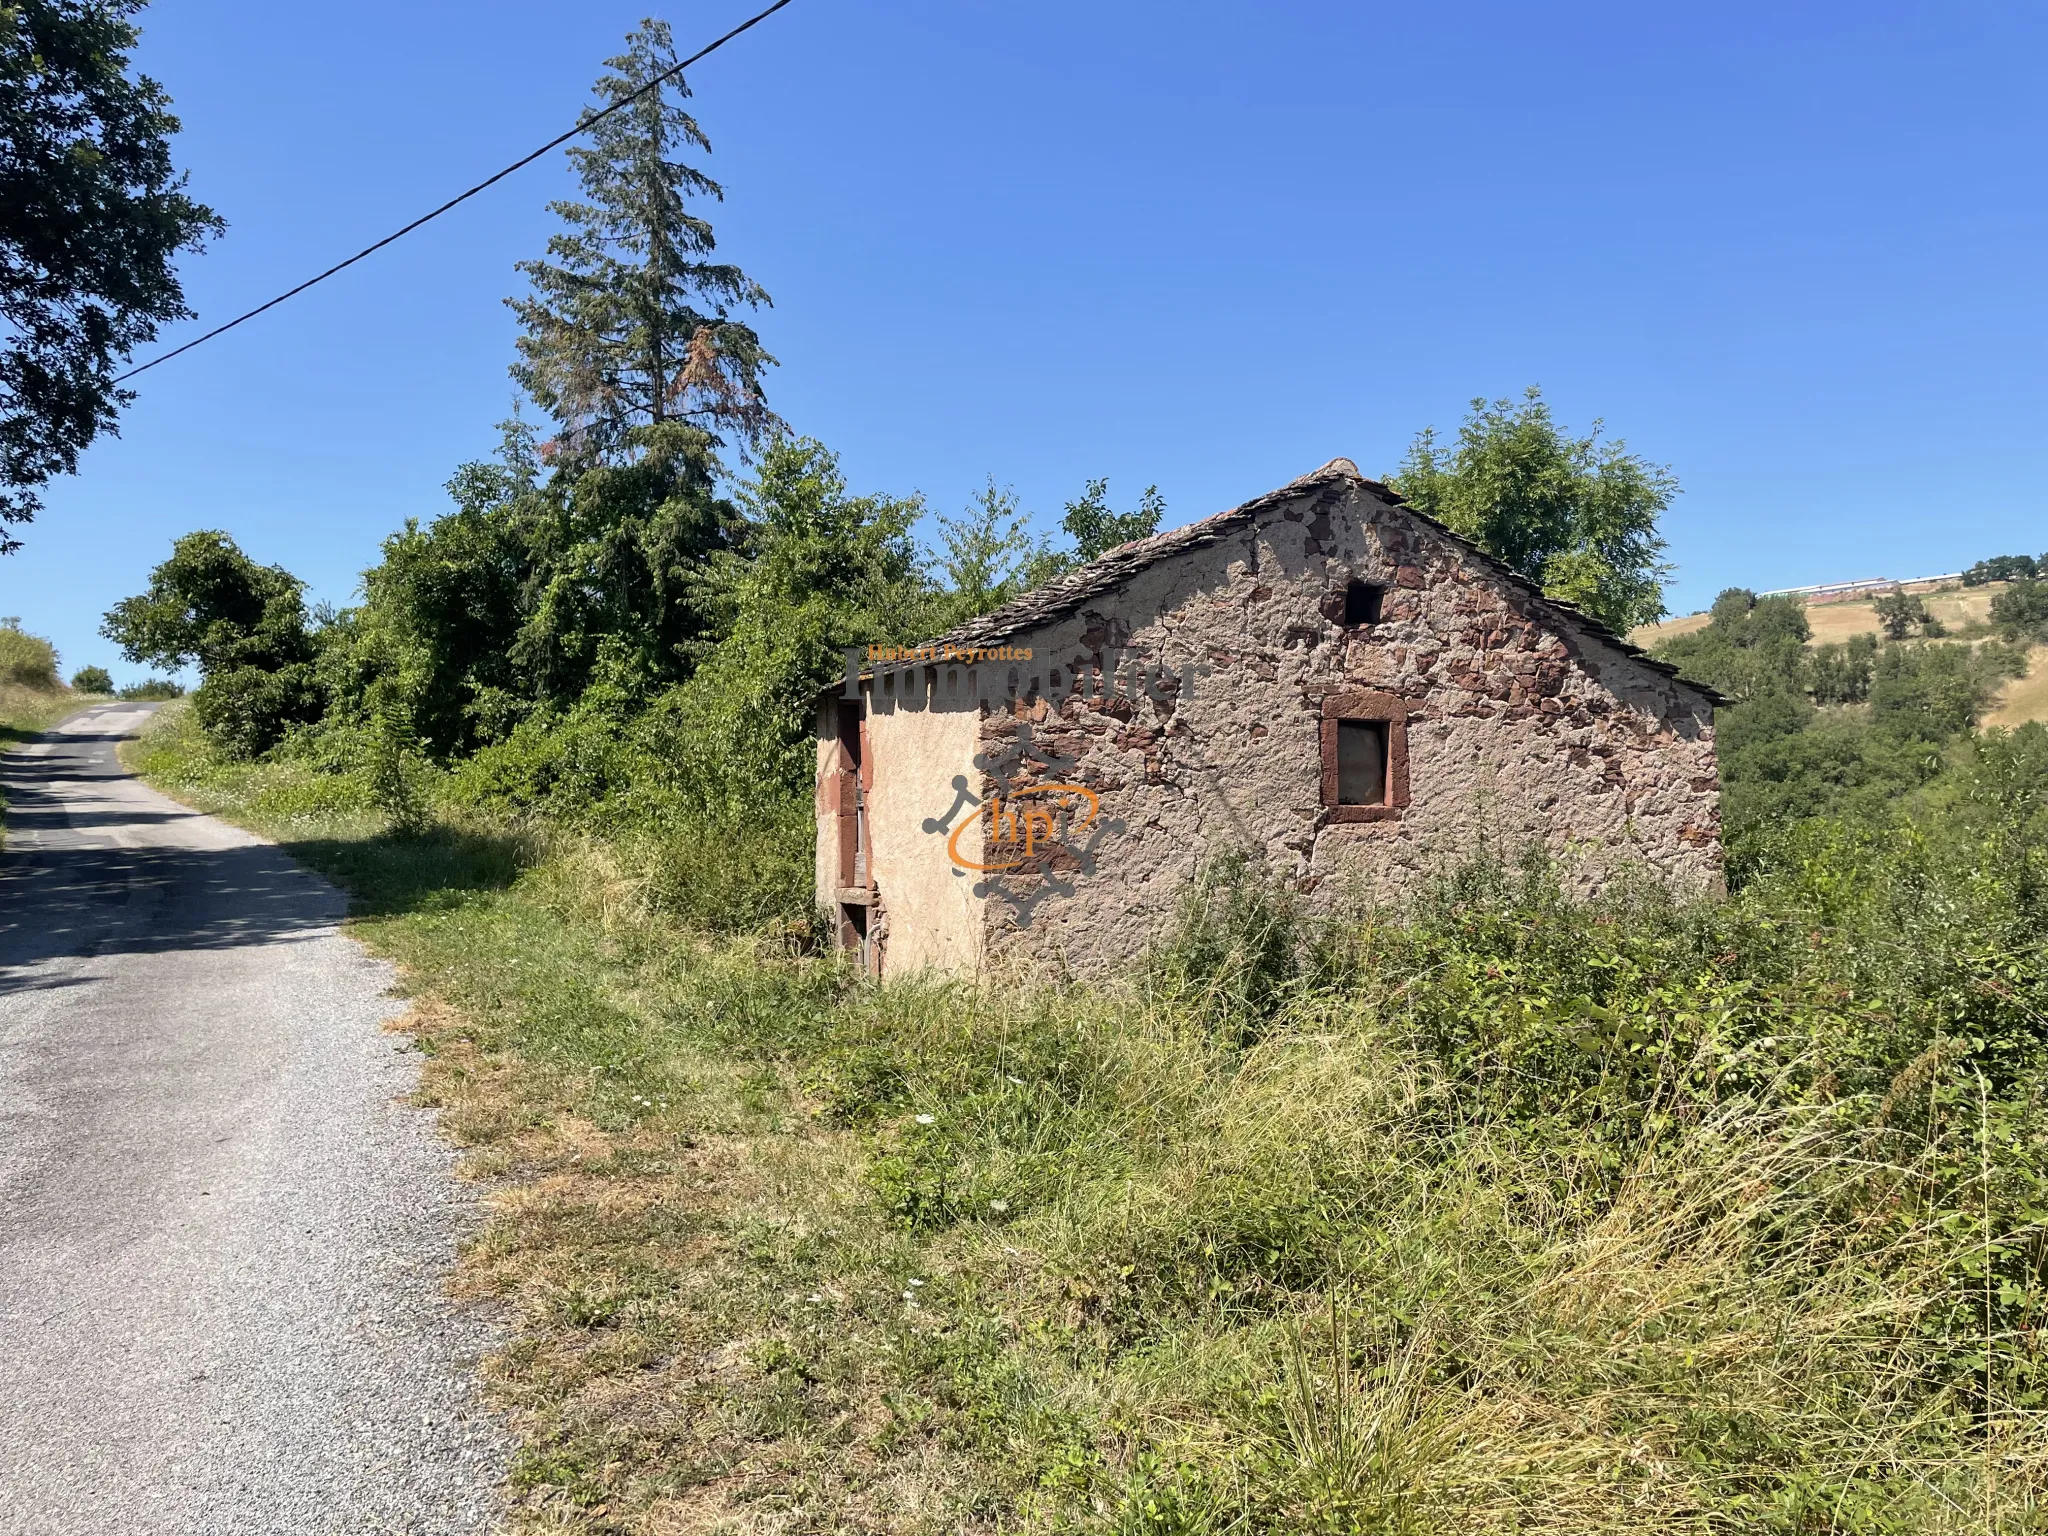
(1068, 590)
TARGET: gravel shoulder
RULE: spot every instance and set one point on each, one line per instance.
(223, 1236)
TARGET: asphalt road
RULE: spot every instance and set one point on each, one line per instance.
(222, 1238)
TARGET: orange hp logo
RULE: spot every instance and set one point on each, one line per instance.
(1025, 828)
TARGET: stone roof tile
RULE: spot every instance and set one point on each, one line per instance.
(1111, 569)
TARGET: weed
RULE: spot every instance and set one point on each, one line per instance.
(1499, 1213)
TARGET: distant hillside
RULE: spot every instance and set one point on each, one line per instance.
(1957, 606)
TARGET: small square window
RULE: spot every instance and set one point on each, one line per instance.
(1362, 604)
(1361, 762)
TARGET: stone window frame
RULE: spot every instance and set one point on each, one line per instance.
(1389, 709)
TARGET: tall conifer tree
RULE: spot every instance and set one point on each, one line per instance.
(630, 323)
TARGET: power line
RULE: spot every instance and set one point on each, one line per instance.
(555, 143)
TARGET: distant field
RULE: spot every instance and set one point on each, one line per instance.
(2024, 698)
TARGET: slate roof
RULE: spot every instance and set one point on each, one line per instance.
(1110, 570)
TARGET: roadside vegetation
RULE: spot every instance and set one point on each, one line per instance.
(1497, 1212)
(32, 696)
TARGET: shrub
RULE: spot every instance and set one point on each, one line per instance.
(247, 710)
(28, 661)
(2020, 612)
(92, 680)
(154, 688)
(1236, 946)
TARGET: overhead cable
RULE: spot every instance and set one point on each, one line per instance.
(583, 126)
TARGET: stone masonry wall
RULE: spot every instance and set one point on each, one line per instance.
(1520, 728)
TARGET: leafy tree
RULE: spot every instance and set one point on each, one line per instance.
(1934, 692)
(1840, 674)
(1096, 530)
(211, 604)
(442, 610)
(1573, 514)
(804, 543)
(2020, 612)
(1750, 648)
(511, 605)
(1899, 613)
(630, 324)
(91, 215)
(92, 680)
(244, 624)
(816, 570)
(2001, 568)
(619, 554)
(988, 555)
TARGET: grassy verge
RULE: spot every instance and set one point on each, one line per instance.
(25, 712)
(1504, 1218)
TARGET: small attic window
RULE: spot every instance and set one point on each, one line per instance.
(1362, 601)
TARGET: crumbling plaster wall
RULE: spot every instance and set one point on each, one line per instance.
(923, 758)
(825, 810)
(1520, 730)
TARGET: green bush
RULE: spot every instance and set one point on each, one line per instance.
(28, 661)
(154, 688)
(1237, 946)
(2020, 612)
(92, 680)
(248, 710)
(725, 864)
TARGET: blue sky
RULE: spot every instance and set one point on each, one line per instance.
(1794, 252)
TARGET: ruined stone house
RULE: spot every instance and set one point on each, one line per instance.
(1322, 675)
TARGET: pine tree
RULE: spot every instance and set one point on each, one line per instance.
(629, 325)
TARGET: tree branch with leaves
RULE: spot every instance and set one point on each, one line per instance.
(92, 213)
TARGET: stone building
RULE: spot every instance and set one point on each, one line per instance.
(1323, 674)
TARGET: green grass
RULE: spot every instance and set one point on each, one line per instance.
(1500, 1215)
